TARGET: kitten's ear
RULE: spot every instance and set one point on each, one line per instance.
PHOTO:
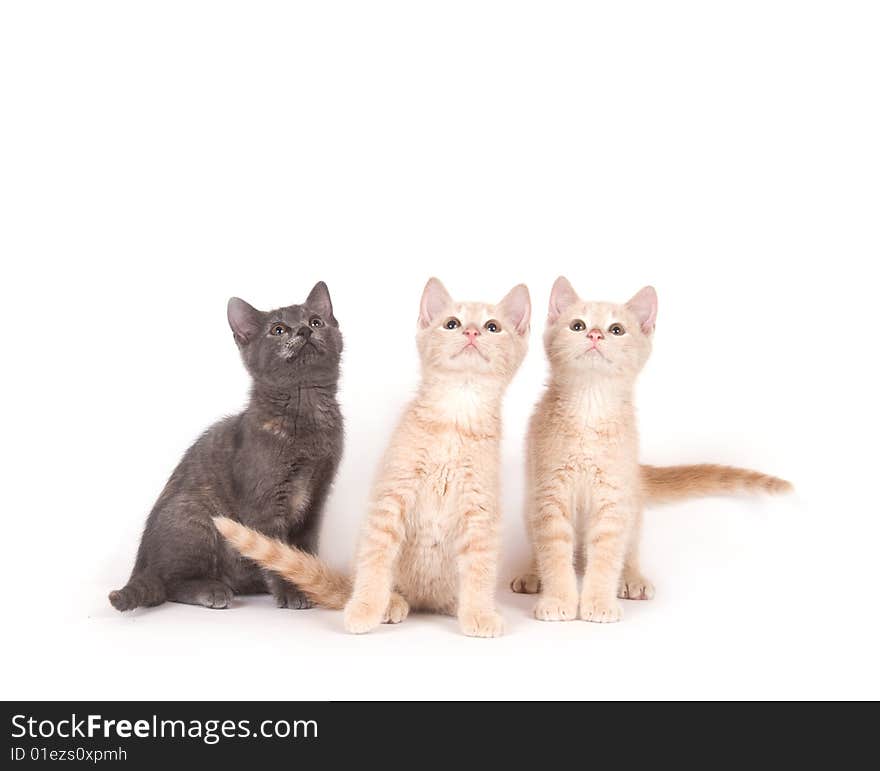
(517, 307)
(435, 299)
(319, 301)
(644, 305)
(561, 296)
(244, 319)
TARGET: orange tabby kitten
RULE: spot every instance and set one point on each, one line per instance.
(584, 479)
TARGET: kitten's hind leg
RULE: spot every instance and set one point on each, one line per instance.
(398, 609)
(634, 586)
(293, 598)
(528, 582)
(287, 595)
(208, 592)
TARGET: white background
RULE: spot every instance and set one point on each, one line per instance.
(158, 158)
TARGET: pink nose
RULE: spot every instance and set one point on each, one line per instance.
(472, 333)
(596, 335)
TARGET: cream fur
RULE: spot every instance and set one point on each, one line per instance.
(585, 488)
(431, 532)
(432, 529)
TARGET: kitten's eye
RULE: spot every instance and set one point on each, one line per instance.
(279, 329)
(316, 322)
(493, 326)
(616, 329)
(452, 323)
(577, 326)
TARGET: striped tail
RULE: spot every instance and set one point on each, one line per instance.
(662, 484)
(321, 584)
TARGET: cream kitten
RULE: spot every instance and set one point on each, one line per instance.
(584, 480)
(432, 531)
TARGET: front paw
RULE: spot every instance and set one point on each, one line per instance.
(600, 611)
(481, 623)
(398, 609)
(290, 597)
(360, 617)
(556, 609)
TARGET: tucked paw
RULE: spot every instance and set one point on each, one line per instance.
(555, 609)
(398, 609)
(635, 587)
(481, 623)
(359, 617)
(294, 599)
(528, 583)
(600, 611)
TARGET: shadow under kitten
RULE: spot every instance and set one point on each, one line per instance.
(270, 467)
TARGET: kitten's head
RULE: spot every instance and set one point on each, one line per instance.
(473, 338)
(293, 346)
(599, 339)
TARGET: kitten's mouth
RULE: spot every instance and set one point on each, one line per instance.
(595, 349)
(472, 348)
(300, 345)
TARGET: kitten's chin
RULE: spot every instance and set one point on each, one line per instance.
(584, 366)
(469, 362)
(303, 351)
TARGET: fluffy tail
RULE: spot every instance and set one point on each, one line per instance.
(322, 585)
(144, 589)
(662, 484)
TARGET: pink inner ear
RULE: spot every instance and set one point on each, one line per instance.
(561, 297)
(435, 299)
(644, 305)
(517, 306)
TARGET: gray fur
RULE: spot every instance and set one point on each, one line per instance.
(269, 467)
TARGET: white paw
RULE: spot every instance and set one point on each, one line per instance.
(600, 611)
(481, 623)
(359, 617)
(555, 609)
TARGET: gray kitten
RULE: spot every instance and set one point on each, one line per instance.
(270, 467)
